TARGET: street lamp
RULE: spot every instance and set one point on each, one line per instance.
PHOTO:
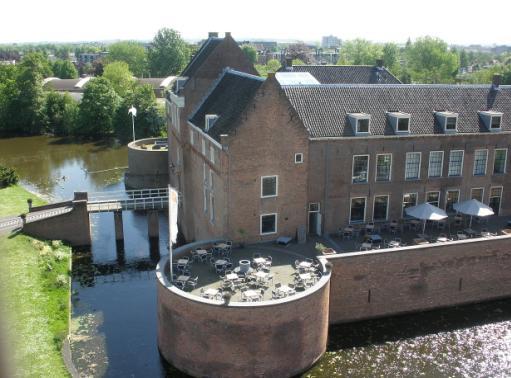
(133, 112)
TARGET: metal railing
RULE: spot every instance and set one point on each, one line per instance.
(127, 194)
(148, 203)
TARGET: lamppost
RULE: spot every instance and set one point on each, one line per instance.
(133, 112)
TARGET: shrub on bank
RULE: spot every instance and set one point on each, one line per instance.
(8, 177)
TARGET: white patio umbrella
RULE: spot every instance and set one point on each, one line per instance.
(426, 211)
(474, 208)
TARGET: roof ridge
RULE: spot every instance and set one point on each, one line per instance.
(386, 86)
(242, 74)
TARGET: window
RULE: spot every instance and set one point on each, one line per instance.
(403, 125)
(409, 200)
(433, 198)
(212, 154)
(399, 121)
(192, 137)
(495, 122)
(413, 166)
(210, 180)
(298, 158)
(447, 121)
(380, 208)
(452, 197)
(450, 123)
(455, 163)
(358, 210)
(211, 208)
(210, 120)
(363, 126)
(360, 171)
(205, 187)
(499, 162)
(269, 186)
(436, 162)
(203, 146)
(268, 224)
(383, 167)
(360, 122)
(495, 199)
(480, 159)
(314, 207)
(477, 193)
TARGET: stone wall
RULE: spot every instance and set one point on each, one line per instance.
(146, 168)
(389, 282)
(209, 338)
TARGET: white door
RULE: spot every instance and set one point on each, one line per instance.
(318, 224)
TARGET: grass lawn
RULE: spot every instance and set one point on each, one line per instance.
(34, 290)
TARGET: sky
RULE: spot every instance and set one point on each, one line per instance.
(456, 22)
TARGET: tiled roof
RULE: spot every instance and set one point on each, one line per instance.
(323, 108)
(207, 47)
(227, 98)
(348, 74)
(63, 85)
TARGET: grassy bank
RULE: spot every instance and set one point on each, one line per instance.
(34, 289)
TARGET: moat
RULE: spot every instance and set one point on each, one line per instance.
(114, 292)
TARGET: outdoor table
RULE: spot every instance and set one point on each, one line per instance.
(469, 232)
(285, 290)
(305, 264)
(462, 236)
(201, 252)
(305, 276)
(261, 275)
(220, 262)
(221, 245)
(394, 244)
(183, 279)
(419, 241)
(366, 246)
(251, 294)
(441, 239)
(259, 260)
(182, 262)
(209, 293)
(485, 234)
(231, 276)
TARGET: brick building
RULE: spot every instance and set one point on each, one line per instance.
(261, 159)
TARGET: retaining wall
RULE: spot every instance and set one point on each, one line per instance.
(275, 338)
(388, 282)
(146, 168)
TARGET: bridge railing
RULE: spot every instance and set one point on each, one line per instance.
(128, 194)
(147, 203)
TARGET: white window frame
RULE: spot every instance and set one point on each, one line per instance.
(211, 208)
(276, 186)
(447, 196)
(501, 195)
(358, 132)
(299, 161)
(477, 188)
(205, 187)
(203, 140)
(462, 162)
(390, 169)
(386, 210)
(505, 161)
(315, 203)
(485, 163)
(261, 224)
(403, 214)
(353, 169)
(192, 137)
(212, 153)
(209, 121)
(441, 164)
(491, 122)
(210, 186)
(420, 162)
(434, 191)
(395, 117)
(178, 125)
(365, 210)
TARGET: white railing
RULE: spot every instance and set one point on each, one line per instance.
(128, 194)
(148, 203)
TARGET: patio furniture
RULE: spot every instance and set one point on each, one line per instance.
(192, 282)
(374, 239)
(209, 293)
(424, 212)
(471, 233)
(461, 235)
(420, 241)
(394, 243)
(366, 246)
(259, 261)
(304, 264)
(369, 228)
(442, 238)
(284, 240)
(347, 232)
(473, 208)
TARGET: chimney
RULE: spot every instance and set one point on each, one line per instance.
(379, 62)
(496, 80)
(213, 35)
(227, 34)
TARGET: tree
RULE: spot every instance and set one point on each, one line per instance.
(390, 56)
(130, 52)
(298, 51)
(359, 52)
(97, 109)
(463, 58)
(61, 112)
(168, 53)
(273, 65)
(148, 122)
(431, 61)
(250, 52)
(120, 76)
(64, 69)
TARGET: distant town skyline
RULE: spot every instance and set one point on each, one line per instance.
(393, 21)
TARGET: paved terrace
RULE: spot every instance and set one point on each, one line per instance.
(282, 269)
(409, 233)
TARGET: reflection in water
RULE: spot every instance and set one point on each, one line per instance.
(114, 292)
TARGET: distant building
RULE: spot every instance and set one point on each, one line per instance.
(84, 58)
(330, 42)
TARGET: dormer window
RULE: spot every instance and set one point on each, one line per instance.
(400, 122)
(448, 121)
(492, 120)
(360, 122)
(210, 120)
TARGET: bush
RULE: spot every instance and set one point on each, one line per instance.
(8, 176)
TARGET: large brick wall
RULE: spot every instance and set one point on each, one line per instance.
(208, 339)
(384, 283)
(330, 175)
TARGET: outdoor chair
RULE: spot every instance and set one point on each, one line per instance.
(192, 282)
(256, 255)
(297, 264)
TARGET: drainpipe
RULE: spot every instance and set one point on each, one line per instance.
(327, 180)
